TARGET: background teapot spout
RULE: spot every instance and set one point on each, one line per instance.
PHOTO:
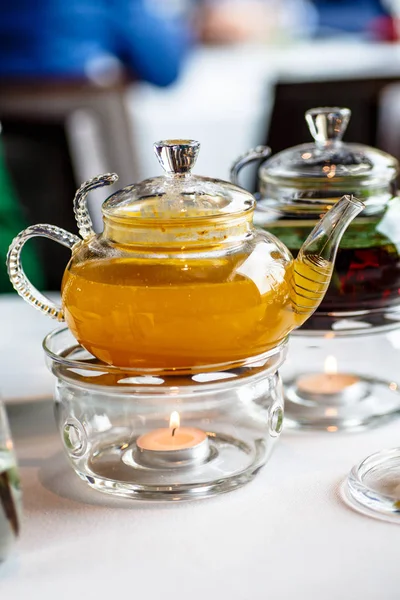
(313, 267)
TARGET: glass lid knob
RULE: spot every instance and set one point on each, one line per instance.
(177, 157)
(328, 124)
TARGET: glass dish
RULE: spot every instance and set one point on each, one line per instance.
(373, 486)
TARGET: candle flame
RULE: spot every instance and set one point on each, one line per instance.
(330, 365)
(174, 420)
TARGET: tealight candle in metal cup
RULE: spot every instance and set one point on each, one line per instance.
(330, 385)
(173, 446)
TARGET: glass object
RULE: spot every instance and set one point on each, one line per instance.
(296, 187)
(180, 278)
(342, 381)
(373, 486)
(10, 493)
(164, 437)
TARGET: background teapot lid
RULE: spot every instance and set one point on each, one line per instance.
(329, 161)
(178, 194)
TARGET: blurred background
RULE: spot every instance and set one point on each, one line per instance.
(87, 86)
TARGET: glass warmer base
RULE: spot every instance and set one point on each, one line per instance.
(342, 381)
(117, 469)
(373, 486)
(164, 437)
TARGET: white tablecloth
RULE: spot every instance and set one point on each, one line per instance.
(286, 535)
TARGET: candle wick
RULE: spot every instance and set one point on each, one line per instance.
(173, 431)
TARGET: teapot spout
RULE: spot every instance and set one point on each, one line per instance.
(313, 266)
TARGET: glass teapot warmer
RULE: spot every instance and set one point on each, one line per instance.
(356, 324)
(148, 437)
(342, 381)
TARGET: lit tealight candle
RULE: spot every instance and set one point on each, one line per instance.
(329, 383)
(173, 446)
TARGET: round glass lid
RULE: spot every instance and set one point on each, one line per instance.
(329, 160)
(178, 194)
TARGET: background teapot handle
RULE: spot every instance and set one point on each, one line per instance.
(257, 153)
(82, 216)
(16, 273)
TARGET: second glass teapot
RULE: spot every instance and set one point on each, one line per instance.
(180, 278)
(298, 185)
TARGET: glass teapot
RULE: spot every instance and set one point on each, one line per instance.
(298, 185)
(180, 277)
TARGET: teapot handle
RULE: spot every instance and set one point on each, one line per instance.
(85, 225)
(252, 155)
(16, 273)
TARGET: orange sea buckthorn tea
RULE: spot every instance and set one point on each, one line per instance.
(143, 314)
(180, 278)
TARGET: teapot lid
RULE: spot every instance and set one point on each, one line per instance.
(329, 161)
(178, 194)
